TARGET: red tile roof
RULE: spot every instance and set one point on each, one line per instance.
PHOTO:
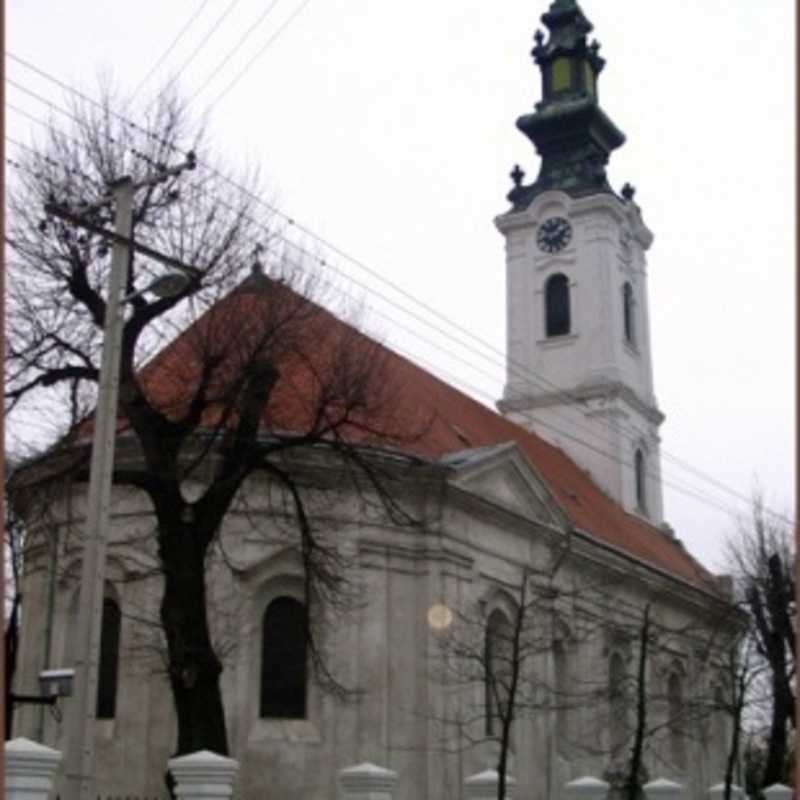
(407, 409)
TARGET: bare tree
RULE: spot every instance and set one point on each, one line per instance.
(762, 559)
(14, 545)
(492, 652)
(250, 370)
(664, 710)
(636, 712)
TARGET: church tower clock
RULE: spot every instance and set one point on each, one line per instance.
(579, 371)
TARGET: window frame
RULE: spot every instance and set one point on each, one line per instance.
(640, 478)
(557, 306)
(108, 660)
(629, 314)
(273, 703)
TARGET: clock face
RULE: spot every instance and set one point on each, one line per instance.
(554, 234)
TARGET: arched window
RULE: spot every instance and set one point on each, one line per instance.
(675, 709)
(497, 668)
(720, 720)
(108, 667)
(617, 703)
(640, 476)
(562, 688)
(283, 659)
(556, 304)
(627, 314)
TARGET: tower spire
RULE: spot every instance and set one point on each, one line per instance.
(570, 131)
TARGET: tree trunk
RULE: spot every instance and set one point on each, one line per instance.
(733, 750)
(775, 769)
(633, 789)
(11, 649)
(194, 668)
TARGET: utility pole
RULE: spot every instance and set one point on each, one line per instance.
(3, 533)
(80, 762)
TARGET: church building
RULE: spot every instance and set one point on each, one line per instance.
(544, 517)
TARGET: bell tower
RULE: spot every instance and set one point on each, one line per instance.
(579, 371)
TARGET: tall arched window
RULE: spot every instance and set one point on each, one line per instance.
(562, 688)
(617, 703)
(497, 667)
(627, 314)
(677, 745)
(720, 720)
(556, 305)
(283, 659)
(640, 477)
(108, 667)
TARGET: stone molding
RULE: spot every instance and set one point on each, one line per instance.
(611, 390)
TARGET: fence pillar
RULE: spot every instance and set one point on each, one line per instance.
(203, 776)
(367, 782)
(30, 768)
(662, 789)
(778, 791)
(483, 786)
(717, 792)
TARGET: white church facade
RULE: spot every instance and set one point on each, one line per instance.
(554, 506)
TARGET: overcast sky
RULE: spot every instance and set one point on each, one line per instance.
(387, 128)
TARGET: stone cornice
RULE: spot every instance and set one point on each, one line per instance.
(623, 212)
(607, 389)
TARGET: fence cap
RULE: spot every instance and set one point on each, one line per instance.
(25, 747)
(662, 784)
(719, 788)
(202, 759)
(777, 790)
(587, 782)
(488, 776)
(368, 768)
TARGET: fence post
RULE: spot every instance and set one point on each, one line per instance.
(30, 768)
(367, 782)
(483, 785)
(717, 792)
(203, 776)
(587, 788)
(778, 791)
(662, 789)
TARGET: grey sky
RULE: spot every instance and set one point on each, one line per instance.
(388, 129)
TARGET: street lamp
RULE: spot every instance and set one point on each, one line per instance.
(80, 762)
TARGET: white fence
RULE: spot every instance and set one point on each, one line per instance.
(31, 767)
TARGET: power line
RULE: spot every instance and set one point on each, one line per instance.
(170, 48)
(36, 96)
(395, 287)
(446, 334)
(260, 52)
(233, 50)
(476, 391)
(227, 10)
(457, 380)
(86, 98)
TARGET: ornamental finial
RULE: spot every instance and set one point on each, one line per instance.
(257, 268)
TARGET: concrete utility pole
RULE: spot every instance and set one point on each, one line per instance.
(80, 762)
